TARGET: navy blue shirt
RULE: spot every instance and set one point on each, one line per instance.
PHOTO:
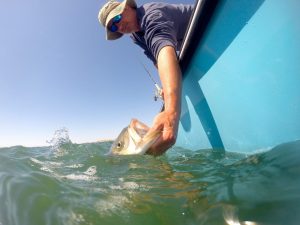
(161, 25)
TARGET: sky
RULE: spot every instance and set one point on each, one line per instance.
(58, 71)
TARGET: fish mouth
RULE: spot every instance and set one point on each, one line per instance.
(140, 132)
(136, 139)
(139, 128)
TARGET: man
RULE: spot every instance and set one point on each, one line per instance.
(159, 29)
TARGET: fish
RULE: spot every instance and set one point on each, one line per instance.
(134, 139)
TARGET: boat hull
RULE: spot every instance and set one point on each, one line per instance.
(241, 87)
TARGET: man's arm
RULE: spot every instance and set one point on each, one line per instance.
(167, 121)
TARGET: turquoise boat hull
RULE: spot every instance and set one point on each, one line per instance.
(241, 81)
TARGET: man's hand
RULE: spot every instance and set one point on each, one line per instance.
(167, 121)
(168, 124)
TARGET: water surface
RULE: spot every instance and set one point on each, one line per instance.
(70, 183)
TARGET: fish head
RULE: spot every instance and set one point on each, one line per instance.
(121, 143)
(134, 139)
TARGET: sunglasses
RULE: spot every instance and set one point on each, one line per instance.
(116, 19)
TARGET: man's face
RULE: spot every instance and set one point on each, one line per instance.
(128, 23)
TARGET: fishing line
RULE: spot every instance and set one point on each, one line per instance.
(158, 91)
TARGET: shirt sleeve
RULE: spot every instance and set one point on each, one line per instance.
(141, 42)
(159, 32)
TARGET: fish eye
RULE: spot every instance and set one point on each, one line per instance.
(119, 145)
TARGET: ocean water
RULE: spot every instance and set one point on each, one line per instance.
(72, 184)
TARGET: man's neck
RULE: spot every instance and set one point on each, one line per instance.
(136, 22)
